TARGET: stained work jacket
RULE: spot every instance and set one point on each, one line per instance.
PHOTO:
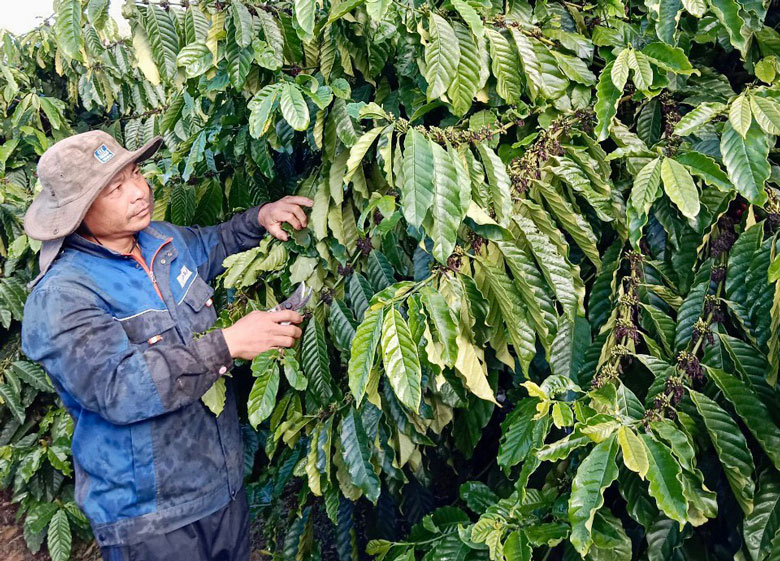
(117, 342)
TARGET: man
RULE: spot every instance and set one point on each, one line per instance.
(111, 318)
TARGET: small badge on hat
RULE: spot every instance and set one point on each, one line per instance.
(103, 154)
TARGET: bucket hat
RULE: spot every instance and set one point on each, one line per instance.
(72, 173)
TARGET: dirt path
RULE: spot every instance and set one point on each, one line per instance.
(14, 548)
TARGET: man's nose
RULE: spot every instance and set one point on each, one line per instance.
(140, 189)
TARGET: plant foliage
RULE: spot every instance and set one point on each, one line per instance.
(543, 245)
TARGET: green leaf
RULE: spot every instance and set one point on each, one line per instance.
(751, 410)
(620, 68)
(465, 82)
(443, 322)
(634, 452)
(727, 12)
(417, 186)
(316, 364)
(504, 64)
(643, 72)
(294, 108)
(470, 16)
(695, 7)
(196, 58)
(577, 69)
(356, 451)
(731, 447)
(363, 351)
(441, 56)
(706, 169)
(646, 190)
(680, 188)
(59, 536)
(239, 61)
(763, 523)
(689, 312)
(571, 221)
(543, 78)
(446, 209)
(552, 264)
(767, 113)
(740, 116)
(67, 28)
(665, 478)
(668, 18)
(215, 396)
(32, 374)
(10, 398)
(242, 22)
(596, 472)
(746, 161)
(97, 12)
(358, 151)
(669, 58)
(498, 181)
(262, 396)
(293, 373)
(739, 264)
(521, 334)
(261, 106)
(399, 356)
(607, 97)
(520, 434)
(698, 116)
(163, 40)
(304, 15)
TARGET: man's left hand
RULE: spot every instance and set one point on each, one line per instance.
(287, 209)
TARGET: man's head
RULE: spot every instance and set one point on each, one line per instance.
(88, 178)
(124, 206)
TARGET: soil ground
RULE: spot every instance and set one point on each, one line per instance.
(14, 548)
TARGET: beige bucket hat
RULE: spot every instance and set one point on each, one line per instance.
(72, 173)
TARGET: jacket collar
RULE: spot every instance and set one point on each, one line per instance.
(150, 239)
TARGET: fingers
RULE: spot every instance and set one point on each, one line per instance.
(299, 214)
(276, 231)
(305, 201)
(286, 315)
(283, 342)
(289, 216)
(290, 331)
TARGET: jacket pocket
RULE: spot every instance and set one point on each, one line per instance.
(199, 306)
(155, 327)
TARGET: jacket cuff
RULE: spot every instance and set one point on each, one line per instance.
(214, 353)
(249, 220)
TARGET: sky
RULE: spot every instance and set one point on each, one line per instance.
(23, 15)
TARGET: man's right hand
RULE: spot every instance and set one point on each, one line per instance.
(259, 331)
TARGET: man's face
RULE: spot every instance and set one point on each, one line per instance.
(123, 207)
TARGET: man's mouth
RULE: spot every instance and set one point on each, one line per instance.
(141, 212)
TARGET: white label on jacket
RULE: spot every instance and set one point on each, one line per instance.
(184, 274)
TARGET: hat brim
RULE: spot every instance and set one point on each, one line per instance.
(42, 221)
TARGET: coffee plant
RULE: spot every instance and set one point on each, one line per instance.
(543, 249)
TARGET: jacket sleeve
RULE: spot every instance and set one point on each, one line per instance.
(211, 244)
(88, 354)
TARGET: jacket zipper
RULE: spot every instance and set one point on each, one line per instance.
(150, 271)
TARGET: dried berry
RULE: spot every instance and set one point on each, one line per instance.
(364, 245)
(718, 273)
(345, 271)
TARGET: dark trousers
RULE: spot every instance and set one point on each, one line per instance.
(222, 536)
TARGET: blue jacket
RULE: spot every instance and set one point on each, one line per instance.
(149, 457)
